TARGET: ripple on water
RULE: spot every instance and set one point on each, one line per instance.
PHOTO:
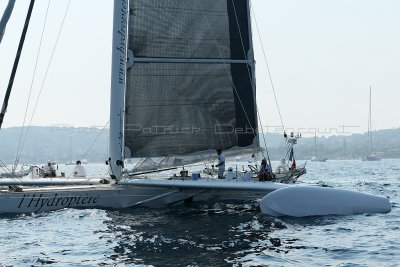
(234, 234)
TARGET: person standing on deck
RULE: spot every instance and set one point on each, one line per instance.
(221, 164)
(79, 170)
(264, 171)
(48, 170)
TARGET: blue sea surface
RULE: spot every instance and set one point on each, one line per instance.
(224, 234)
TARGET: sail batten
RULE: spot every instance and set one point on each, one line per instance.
(190, 60)
(189, 88)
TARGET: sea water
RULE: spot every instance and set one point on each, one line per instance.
(222, 234)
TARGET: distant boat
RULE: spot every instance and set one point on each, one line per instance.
(315, 158)
(70, 162)
(371, 156)
(73, 162)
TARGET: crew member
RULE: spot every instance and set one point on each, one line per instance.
(221, 164)
(264, 171)
(79, 170)
(48, 170)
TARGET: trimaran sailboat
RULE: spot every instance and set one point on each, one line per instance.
(182, 85)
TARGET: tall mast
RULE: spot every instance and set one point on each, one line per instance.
(16, 61)
(118, 84)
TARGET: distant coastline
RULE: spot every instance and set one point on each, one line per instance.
(63, 144)
(386, 144)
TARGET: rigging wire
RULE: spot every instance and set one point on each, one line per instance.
(4, 166)
(287, 144)
(20, 147)
(19, 150)
(95, 140)
(14, 177)
(268, 69)
(47, 70)
(91, 146)
(252, 84)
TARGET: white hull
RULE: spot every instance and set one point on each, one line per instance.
(148, 193)
(306, 201)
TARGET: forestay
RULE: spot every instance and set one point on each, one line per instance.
(189, 79)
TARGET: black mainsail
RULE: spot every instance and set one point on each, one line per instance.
(190, 75)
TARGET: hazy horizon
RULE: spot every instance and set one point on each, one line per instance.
(321, 133)
(66, 144)
(323, 57)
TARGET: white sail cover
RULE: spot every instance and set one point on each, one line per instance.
(189, 79)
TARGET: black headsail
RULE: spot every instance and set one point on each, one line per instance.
(190, 84)
(16, 61)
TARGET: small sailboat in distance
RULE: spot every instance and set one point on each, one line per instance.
(370, 155)
(316, 158)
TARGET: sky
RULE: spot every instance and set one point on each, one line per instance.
(323, 57)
